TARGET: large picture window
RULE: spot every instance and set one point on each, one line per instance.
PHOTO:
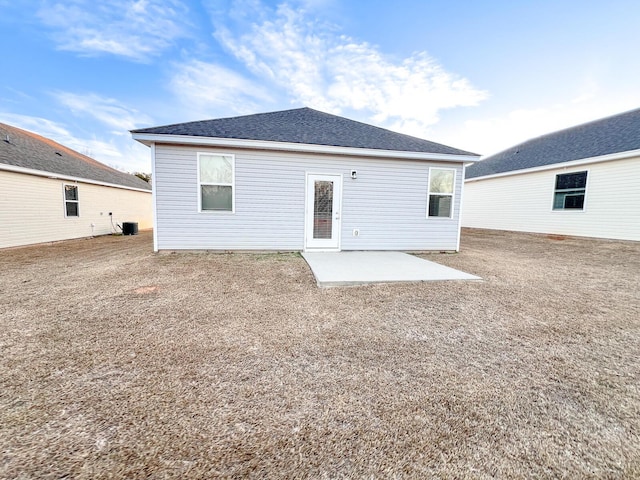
(71, 204)
(441, 186)
(570, 191)
(216, 182)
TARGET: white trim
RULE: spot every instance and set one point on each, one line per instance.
(154, 197)
(65, 201)
(570, 164)
(68, 178)
(232, 184)
(148, 138)
(453, 193)
(308, 213)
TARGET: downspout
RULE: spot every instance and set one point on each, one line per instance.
(154, 197)
(464, 168)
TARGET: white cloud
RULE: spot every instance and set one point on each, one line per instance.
(135, 29)
(209, 90)
(316, 68)
(17, 93)
(41, 126)
(107, 110)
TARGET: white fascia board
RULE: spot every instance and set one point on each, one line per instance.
(149, 138)
(68, 178)
(556, 166)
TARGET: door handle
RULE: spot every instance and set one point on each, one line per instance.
(337, 215)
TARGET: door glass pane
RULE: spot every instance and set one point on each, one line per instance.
(322, 209)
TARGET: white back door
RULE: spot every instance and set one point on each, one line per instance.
(322, 213)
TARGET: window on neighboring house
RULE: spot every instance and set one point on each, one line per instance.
(216, 182)
(441, 185)
(71, 201)
(570, 191)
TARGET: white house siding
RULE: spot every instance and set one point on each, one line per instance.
(523, 202)
(32, 210)
(387, 202)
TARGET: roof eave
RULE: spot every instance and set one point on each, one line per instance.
(151, 138)
(569, 164)
(69, 178)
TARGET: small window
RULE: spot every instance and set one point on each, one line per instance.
(441, 185)
(216, 178)
(570, 191)
(71, 201)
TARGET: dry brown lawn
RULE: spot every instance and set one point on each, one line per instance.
(117, 362)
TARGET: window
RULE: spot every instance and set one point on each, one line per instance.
(216, 178)
(441, 185)
(71, 201)
(570, 191)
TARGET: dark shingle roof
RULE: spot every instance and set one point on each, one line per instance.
(308, 126)
(29, 150)
(619, 133)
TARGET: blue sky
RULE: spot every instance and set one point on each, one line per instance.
(476, 75)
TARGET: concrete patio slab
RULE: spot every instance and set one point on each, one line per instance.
(333, 269)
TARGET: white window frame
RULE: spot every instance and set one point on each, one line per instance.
(65, 201)
(452, 194)
(232, 184)
(554, 191)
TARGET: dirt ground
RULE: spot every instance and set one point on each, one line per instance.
(117, 362)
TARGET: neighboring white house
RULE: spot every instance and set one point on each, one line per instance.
(582, 181)
(51, 193)
(302, 180)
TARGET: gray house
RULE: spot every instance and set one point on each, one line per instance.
(302, 180)
(582, 181)
(51, 193)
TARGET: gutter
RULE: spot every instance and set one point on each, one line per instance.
(55, 176)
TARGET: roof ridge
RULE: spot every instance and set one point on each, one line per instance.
(304, 125)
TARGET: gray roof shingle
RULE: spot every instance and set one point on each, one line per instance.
(615, 134)
(307, 126)
(29, 150)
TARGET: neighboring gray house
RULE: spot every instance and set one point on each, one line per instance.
(582, 181)
(302, 180)
(50, 192)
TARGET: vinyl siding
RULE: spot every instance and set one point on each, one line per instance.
(524, 202)
(32, 210)
(387, 202)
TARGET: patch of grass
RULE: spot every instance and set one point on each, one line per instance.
(117, 362)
